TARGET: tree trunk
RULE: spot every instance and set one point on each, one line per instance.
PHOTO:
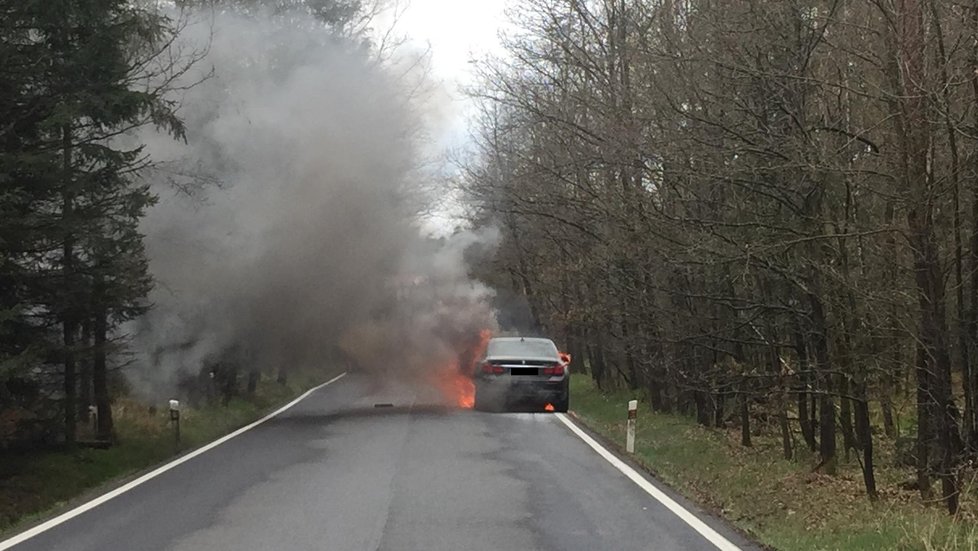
(864, 435)
(827, 444)
(576, 347)
(924, 424)
(952, 137)
(703, 410)
(253, 376)
(804, 420)
(968, 428)
(85, 371)
(745, 439)
(826, 405)
(886, 405)
(804, 382)
(782, 400)
(815, 412)
(69, 314)
(598, 366)
(972, 384)
(933, 338)
(718, 403)
(229, 388)
(845, 416)
(103, 400)
(634, 381)
(70, 382)
(928, 271)
(787, 443)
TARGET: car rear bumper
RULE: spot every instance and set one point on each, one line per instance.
(512, 389)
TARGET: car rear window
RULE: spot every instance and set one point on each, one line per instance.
(528, 348)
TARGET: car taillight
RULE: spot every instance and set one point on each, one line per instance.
(554, 370)
(492, 369)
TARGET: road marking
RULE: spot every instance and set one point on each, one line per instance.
(689, 518)
(68, 515)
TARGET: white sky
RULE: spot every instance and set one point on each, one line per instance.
(454, 32)
(457, 31)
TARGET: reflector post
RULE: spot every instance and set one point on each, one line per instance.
(630, 432)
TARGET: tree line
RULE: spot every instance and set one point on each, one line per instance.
(750, 209)
(79, 78)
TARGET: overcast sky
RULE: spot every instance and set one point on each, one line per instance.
(456, 31)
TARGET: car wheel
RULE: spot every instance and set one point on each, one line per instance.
(481, 401)
(562, 403)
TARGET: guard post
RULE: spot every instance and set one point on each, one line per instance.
(175, 421)
(630, 431)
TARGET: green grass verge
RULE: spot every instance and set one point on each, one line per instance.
(32, 484)
(780, 503)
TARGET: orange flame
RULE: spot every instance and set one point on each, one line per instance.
(454, 379)
(456, 387)
(548, 407)
(464, 392)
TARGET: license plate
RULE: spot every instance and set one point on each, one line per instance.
(524, 371)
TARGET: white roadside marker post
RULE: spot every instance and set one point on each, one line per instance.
(175, 420)
(630, 433)
(93, 417)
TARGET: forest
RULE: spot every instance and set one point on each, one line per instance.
(90, 89)
(762, 214)
(757, 212)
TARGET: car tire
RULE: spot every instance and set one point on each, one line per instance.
(481, 401)
(562, 403)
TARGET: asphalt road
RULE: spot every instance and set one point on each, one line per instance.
(336, 473)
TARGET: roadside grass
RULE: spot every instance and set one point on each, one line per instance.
(33, 483)
(780, 503)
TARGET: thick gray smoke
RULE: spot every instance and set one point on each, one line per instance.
(304, 250)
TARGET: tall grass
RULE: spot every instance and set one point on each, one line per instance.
(783, 504)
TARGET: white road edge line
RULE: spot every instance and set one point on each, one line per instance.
(44, 527)
(689, 518)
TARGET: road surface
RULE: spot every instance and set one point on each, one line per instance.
(336, 473)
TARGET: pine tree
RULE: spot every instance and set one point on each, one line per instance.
(68, 176)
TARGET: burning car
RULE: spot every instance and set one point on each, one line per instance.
(522, 369)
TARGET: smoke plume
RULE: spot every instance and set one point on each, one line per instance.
(301, 250)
